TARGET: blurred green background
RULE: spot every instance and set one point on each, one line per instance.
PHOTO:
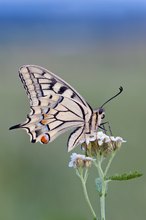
(96, 47)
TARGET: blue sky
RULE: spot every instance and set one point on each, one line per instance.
(97, 8)
(75, 2)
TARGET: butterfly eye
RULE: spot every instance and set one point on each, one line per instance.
(100, 111)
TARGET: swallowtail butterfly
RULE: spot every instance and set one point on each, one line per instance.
(55, 108)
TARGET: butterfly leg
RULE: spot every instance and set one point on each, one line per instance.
(102, 126)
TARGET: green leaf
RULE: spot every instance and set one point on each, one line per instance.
(125, 176)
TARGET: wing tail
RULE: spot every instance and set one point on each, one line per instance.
(15, 127)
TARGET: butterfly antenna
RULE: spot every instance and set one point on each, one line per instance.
(121, 90)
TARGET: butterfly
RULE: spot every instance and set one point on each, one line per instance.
(56, 107)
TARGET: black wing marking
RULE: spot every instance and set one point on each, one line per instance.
(75, 137)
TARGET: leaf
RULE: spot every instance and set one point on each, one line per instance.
(125, 176)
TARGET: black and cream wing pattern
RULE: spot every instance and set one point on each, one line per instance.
(55, 107)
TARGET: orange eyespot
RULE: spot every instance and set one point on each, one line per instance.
(45, 139)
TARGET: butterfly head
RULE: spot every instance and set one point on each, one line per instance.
(100, 114)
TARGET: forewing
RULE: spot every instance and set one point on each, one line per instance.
(39, 82)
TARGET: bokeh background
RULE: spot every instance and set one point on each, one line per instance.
(96, 46)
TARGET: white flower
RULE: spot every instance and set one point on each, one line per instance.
(109, 142)
(79, 160)
(115, 139)
(101, 135)
(101, 138)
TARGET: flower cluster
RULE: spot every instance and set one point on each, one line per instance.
(107, 143)
(103, 138)
(79, 160)
(103, 145)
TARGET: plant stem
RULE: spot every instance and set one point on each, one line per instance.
(104, 185)
(102, 206)
(103, 188)
(87, 199)
(83, 180)
(102, 175)
(103, 192)
(109, 163)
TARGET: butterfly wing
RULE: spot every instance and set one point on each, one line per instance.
(55, 106)
(39, 82)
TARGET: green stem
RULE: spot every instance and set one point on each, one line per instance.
(104, 185)
(87, 199)
(103, 188)
(109, 163)
(102, 206)
(83, 180)
(103, 191)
